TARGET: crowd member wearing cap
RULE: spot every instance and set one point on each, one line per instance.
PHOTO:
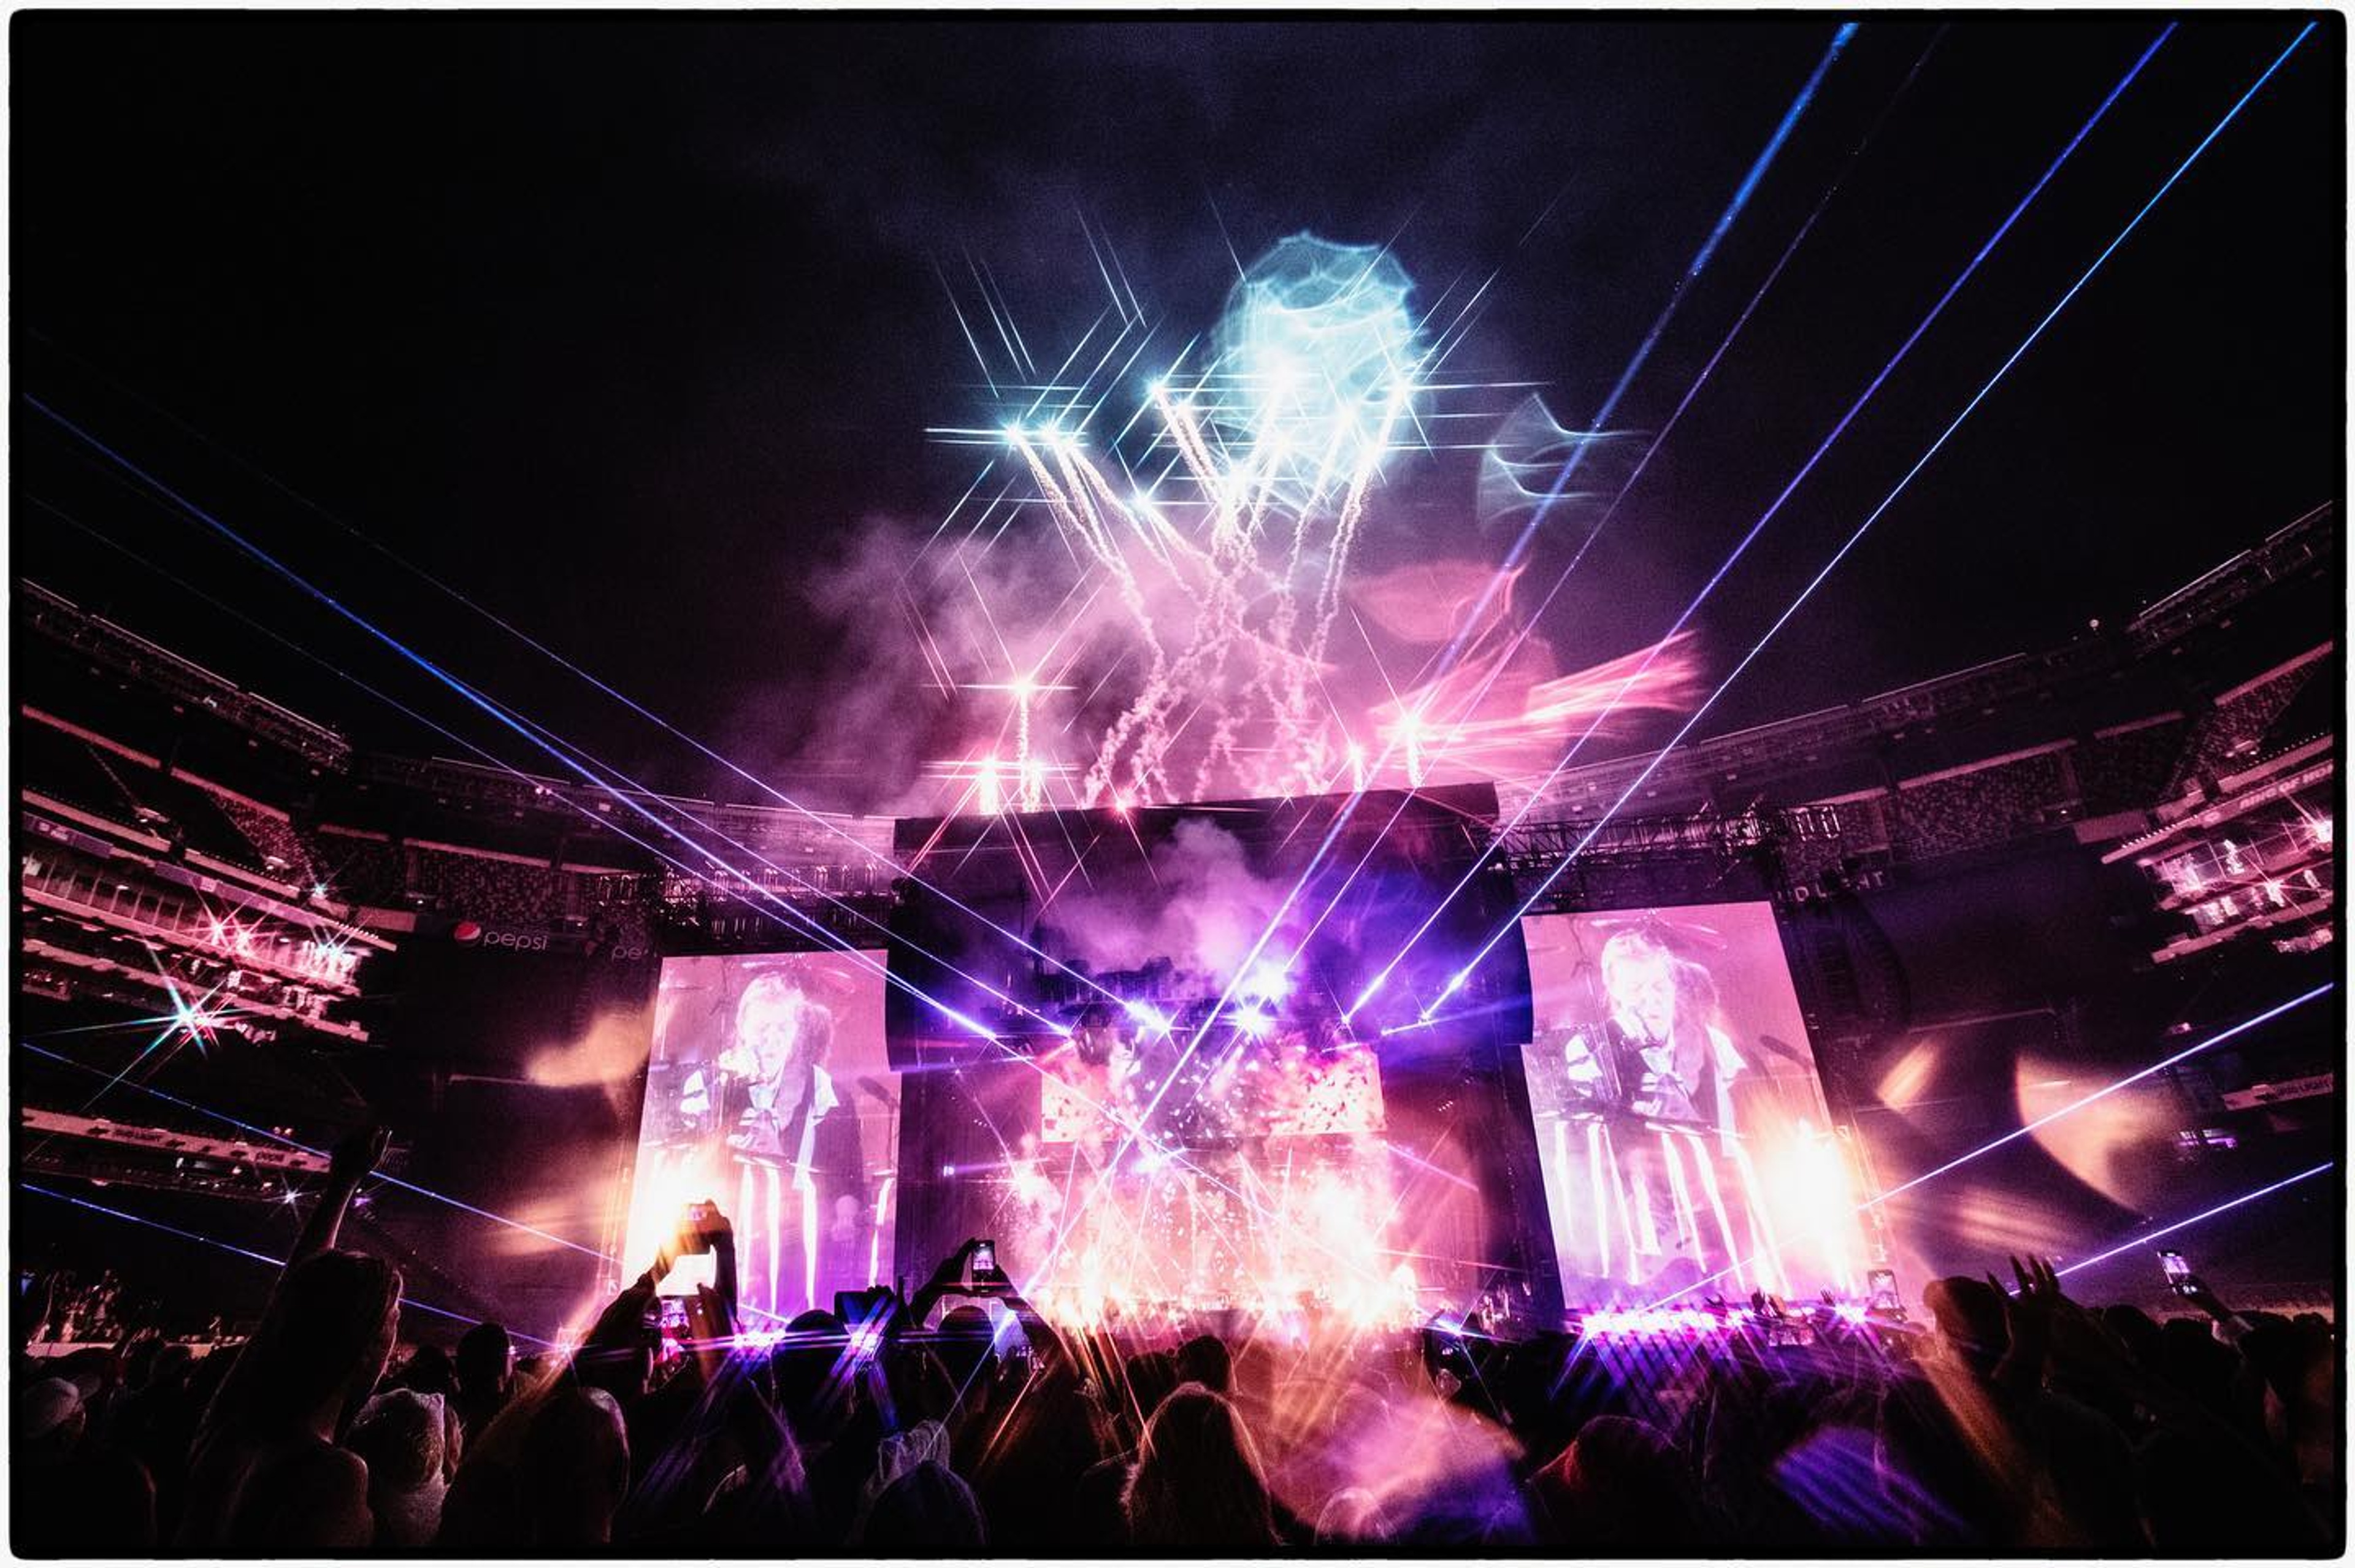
(72, 1494)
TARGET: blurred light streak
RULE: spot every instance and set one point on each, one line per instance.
(2096, 1148)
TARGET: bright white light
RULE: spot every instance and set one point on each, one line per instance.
(1268, 981)
(1148, 1017)
(1254, 1022)
(199, 1021)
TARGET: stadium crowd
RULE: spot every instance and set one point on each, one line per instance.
(2011, 1419)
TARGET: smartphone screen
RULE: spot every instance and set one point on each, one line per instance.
(2172, 1265)
(670, 1322)
(686, 1273)
(985, 1260)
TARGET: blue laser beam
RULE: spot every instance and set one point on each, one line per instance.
(2050, 1116)
(976, 1028)
(1022, 1058)
(1536, 616)
(1634, 365)
(820, 820)
(2150, 1236)
(1742, 546)
(553, 745)
(280, 1139)
(1954, 1165)
(407, 1302)
(1887, 501)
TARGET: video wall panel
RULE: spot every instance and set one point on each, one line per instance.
(1681, 1126)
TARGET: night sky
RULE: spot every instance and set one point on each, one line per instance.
(625, 327)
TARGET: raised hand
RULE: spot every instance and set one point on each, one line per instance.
(358, 1155)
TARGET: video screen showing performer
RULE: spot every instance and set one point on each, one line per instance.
(769, 1091)
(1681, 1125)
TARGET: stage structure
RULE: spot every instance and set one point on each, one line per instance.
(1120, 1045)
(1185, 1117)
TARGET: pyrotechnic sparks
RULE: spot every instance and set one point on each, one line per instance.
(1225, 517)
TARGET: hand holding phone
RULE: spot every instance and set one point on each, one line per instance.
(669, 1326)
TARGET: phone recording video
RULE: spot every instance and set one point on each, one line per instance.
(2177, 1272)
(670, 1325)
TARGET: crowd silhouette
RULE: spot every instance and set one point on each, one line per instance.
(2005, 1418)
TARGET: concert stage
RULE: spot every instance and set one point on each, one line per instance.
(1323, 1062)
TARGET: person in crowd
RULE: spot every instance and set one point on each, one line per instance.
(1619, 1487)
(2007, 1420)
(269, 1474)
(925, 1511)
(485, 1370)
(427, 1371)
(1197, 1481)
(75, 1495)
(1205, 1360)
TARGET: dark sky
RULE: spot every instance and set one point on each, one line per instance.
(624, 327)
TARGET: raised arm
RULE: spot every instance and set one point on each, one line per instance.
(348, 1167)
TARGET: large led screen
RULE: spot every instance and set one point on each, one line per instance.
(769, 1092)
(1680, 1122)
